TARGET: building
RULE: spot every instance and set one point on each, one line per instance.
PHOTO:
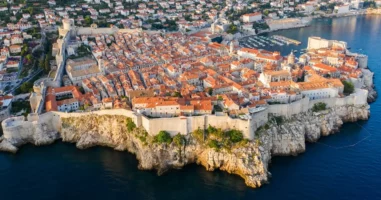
(64, 99)
(261, 55)
(81, 68)
(343, 9)
(252, 17)
(171, 106)
(319, 43)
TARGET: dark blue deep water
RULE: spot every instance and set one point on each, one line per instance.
(61, 171)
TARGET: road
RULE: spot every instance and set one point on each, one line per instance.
(26, 79)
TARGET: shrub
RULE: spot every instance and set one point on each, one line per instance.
(130, 124)
(235, 135)
(198, 135)
(214, 144)
(163, 137)
(319, 107)
(179, 140)
(211, 129)
(348, 87)
(278, 120)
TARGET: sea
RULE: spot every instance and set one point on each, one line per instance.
(346, 165)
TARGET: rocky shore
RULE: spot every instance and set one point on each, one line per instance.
(249, 160)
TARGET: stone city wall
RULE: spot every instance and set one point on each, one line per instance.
(52, 121)
(359, 97)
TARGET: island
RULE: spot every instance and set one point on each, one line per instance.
(174, 99)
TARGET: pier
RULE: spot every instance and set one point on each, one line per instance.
(288, 40)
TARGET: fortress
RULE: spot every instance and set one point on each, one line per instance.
(19, 127)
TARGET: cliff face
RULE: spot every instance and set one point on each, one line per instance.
(250, 160)
(289, 138)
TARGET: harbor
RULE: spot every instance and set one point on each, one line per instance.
(259, 41)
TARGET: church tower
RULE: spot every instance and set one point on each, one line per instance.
(213, 28)
(231, 50)
(291, 58)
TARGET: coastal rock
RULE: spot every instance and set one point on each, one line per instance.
(6, 146)
(250, 160)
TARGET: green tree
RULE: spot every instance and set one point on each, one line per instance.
(210, 91)
(348, 87)
(235, 135)
(47, 63)
(214, 144)
(26, 87)
(179, 140)
(130, 124)
(29, 57)
(177, 94)
(88, 20)
(30, 10)
(163, 138)
(319, 107)
(232, 29)
(198, 134)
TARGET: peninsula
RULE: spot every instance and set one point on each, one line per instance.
(173, 98)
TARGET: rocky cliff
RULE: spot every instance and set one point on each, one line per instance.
(249, 160)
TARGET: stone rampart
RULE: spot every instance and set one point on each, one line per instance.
(52, 121)
(358, 98)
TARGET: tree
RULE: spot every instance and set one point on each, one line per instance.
(30, 10)
(24, 50)
(46, 64)
(130, 124)
(29, 57)
(348, 87)
(88, 20)
(214, 144)
(179, 140)
(210, 91)
(26, 87)
(319, 107)
(41, 62)
(232, 29)
(177, 94)
(198, 134)
(163, 138)
(235, 135)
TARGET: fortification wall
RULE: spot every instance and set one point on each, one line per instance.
(288, 110)
(51, 121)
(17, 127)
(172, 125)
(94, 31)
(359, 97)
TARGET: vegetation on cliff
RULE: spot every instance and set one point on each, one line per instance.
(218, 139)
(163, 138)
(348, 87)
(320, 106)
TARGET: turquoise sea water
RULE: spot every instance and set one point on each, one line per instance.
(324, 171)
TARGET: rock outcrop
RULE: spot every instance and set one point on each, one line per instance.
(249, 160)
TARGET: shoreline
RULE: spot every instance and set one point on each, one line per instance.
(285, 139)
(313, 18)
(286, 130)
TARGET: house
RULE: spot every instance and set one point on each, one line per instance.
(252, 17)
(15, 48)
